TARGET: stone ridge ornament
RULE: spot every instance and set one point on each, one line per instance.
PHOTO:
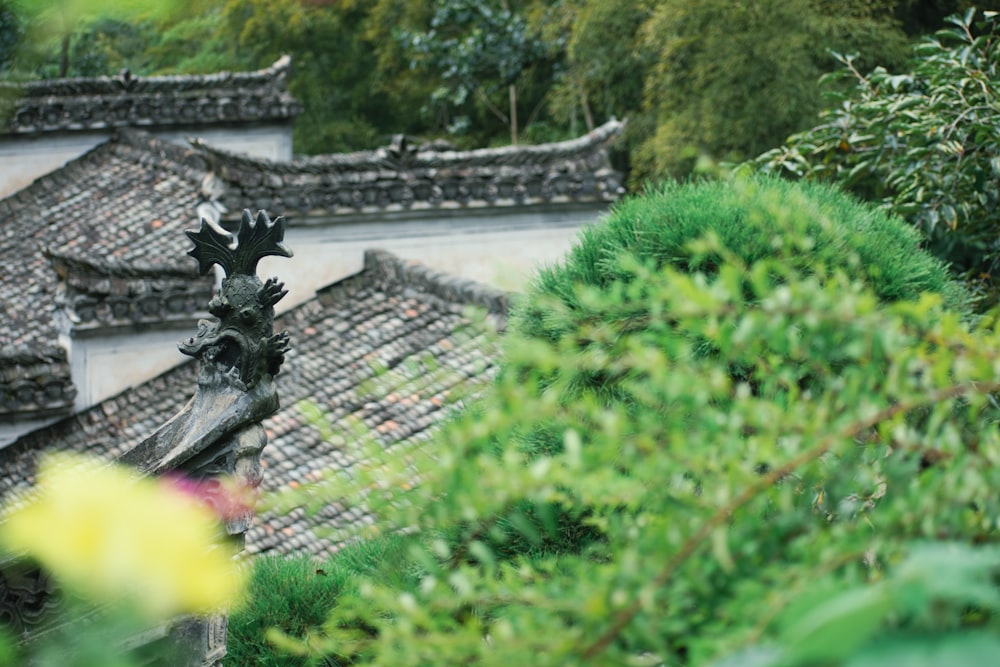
(218, 433)
(213, 445)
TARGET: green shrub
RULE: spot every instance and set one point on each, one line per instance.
(749, 218)
(809, 229)
(776, 461)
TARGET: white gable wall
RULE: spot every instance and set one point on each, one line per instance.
(25, 158)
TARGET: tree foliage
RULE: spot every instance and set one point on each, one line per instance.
(11, 33)
(750, 457)
(476, 48)
(333, 70)
(923, 143)
(736, 87)
(67, 38)
(603, 66)
(708, 78)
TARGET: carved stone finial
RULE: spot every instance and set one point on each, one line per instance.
(240, 343)
(218, 432)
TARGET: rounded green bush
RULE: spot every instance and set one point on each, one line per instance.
(751, 219)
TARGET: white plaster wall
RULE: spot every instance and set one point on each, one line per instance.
(23, 159)
(107, 364)
(502, 250)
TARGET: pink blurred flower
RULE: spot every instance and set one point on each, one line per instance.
(227, 497)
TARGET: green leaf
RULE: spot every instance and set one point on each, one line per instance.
(836, 627)
(953, 650)
(755, 656)
(956, 573)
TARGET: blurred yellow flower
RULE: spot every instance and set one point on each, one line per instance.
(109, 534)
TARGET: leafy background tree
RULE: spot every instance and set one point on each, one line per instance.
(11, 32)
(739, 90)
(75, 37)
(922, 142)
(476, 47)
(334, 71)
(601, 63)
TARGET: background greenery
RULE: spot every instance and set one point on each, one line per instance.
(906, 110)
(728, 80)
(921, 141)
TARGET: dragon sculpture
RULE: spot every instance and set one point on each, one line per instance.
(215, 436)
(218, 433)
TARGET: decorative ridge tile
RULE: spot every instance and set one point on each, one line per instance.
(400, 155)
(92, 103)
(401, 177)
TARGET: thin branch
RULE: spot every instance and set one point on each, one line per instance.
(512, 98)
(534, 112)
(494, 109)
(691, 545)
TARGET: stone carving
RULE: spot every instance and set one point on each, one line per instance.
(218, 432)
(27, 595)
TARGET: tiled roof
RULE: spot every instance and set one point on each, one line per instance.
(100, 240)
(110, 223)
(403, 177)
(391, 347)
(81, 104)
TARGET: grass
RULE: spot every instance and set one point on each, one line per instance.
(295, 595)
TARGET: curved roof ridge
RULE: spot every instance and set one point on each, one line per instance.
(401, 177)
(99, 103)
(110, 267)
(183, 160)
(401, 155)
(125, 82)
(388, 271)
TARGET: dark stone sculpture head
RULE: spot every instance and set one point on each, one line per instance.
(239, 345)
(218, 432)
